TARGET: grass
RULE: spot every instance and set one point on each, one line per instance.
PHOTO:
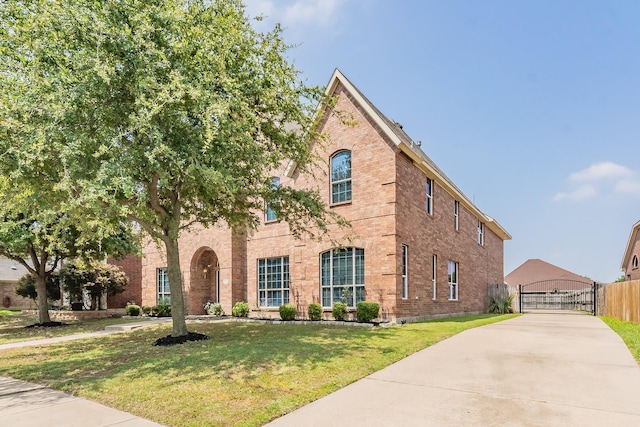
(629, 332)
(245, 375)
(12, 327)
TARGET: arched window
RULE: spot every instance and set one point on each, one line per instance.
(341, 177)
(270, 214)
(634, 262)
(342, 276)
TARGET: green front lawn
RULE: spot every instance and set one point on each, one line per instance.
(245, 375)
(12, 327)
(629, 332)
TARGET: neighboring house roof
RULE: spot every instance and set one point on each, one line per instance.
(10, 270)
(399, 137)
(537, 270)
(630, 244)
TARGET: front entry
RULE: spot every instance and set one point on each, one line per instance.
(558, 294)
(204, 285)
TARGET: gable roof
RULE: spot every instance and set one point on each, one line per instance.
(399, 137)
(536, 270)
(628, 251)
(10, 270)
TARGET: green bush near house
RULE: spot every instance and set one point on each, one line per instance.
(315, 312)
(240, 309)
(339, 310)
(161, 310)
(502, 306)
(287, 312)
(132, 310)
(214, 308)
(366, 311)
(146, 310)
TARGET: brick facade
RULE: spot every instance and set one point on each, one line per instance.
(131, 266)
(631, 262)
(387, 210)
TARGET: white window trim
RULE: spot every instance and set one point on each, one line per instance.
(281, 289)
(456, 210)
(429, 196)
(454, 289)
(434, 270)
(340, 181)
(405, 271)
(160, 296)
(480, 233)
(354, 286)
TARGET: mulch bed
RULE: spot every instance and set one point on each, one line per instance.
(46, 325)
(191, 336)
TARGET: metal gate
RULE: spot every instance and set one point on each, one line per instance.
(558, 294)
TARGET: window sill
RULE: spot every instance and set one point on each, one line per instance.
(348, 202)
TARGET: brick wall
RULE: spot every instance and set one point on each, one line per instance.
(131, 265)
(633, 273)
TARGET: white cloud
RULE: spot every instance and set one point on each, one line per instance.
(295, 12)
(603, 177)
(599, 171)
(307, 11)
(581, 193)
(628, 186)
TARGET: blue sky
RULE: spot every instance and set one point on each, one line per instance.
(531, 107)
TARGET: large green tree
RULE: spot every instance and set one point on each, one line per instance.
(169, 112)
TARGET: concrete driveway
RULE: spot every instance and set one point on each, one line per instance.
(540, 369)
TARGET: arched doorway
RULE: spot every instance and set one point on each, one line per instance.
(205, 280)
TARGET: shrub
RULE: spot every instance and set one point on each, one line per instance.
(240, 309)
(287, 312)
(146, 310)
(132, 310)
(339, 310)
(315, 311)
(214, 308)
(366, 311)
(161, 310)
(501, 306)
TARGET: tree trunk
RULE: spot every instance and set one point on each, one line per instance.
(43, 303)
(175, 286)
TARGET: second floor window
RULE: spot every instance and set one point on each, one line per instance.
(270, 214)
(480, 233)
(429, 194)
(341, 177)
(456, 209)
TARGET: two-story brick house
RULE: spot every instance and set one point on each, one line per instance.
(417, 245)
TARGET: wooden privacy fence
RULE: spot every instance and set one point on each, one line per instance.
(620, 300)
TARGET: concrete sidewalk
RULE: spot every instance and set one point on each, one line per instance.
(540, 369)
(30, 405)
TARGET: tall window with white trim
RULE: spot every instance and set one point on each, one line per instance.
(434, 263)
(456, 209)
(342, 276)
(162, 286)
(429, 196)
(405, 272)
(453, 280)
(341, 177)
(270, 213)
(480, 233)
(273, 281)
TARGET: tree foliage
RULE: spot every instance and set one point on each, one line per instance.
(169, 112)
(26, 287)
(93, 278)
